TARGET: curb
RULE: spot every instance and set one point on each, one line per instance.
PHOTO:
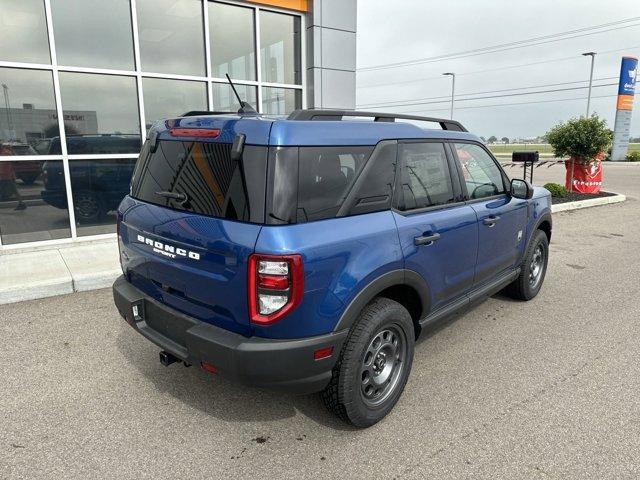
(36, 290)
(594, 202)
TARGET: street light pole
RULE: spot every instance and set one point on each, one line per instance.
(7, 104)
(593, 57)
(453, 89)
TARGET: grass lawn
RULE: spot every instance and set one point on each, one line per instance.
(540, 147)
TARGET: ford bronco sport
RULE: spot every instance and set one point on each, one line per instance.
(307, 253)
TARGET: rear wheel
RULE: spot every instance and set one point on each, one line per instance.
(88, 208)
(374, 364)
(534, 268)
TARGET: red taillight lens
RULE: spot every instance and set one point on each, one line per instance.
(195, 132)
(275, 286)
(273, 282)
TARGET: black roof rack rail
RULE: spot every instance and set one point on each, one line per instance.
(320, 114)
(195, 113)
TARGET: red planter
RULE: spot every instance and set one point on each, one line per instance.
(587, 177)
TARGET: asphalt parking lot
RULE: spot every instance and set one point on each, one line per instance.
(544, 389)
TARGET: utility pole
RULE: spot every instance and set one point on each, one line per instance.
(453, 89)
(593, 57)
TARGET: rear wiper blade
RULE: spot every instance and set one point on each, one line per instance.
(179, 197)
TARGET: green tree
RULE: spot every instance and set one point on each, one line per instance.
(492, 139)
(580, 138)
(505, 139)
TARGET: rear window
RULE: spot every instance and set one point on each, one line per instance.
(201, 177)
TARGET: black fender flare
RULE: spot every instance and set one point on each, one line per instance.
(545, 217)
(390, 279)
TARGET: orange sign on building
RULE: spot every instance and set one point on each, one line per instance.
(298, 5)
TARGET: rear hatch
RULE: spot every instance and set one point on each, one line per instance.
(191, 221)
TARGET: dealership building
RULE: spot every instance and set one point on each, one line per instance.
(83, 80)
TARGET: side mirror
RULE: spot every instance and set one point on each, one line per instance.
(521, 189)
(238, 147)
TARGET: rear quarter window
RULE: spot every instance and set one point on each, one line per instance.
(325, 176)
(316, 183)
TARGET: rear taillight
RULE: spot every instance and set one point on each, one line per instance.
(275, 285)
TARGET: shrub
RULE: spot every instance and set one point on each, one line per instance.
(633, 156)
(580, 138)
(557, 190)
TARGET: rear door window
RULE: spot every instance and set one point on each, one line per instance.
(201, 177)
(426, 179)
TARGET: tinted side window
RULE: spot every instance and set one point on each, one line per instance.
(426, 180)
(325, 178)
(481, 174)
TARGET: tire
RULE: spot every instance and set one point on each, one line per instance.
(528, 283)
(87, 207)
(360, 371)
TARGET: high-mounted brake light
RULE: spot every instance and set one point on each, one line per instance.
(195, 132)
(275, 286)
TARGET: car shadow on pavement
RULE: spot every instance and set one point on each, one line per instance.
(213, 394)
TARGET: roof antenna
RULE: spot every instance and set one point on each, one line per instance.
(245, 108)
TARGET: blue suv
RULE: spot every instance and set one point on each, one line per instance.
(307, 253)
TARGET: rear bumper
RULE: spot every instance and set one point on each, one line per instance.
(280, 364)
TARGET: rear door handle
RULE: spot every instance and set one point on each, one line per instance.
(426, 239)
(491, 221)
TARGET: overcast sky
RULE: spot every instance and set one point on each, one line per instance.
(405, 30)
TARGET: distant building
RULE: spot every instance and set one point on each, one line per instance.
(33, 124)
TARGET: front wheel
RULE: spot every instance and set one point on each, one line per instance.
(533, 270)
(374, 364)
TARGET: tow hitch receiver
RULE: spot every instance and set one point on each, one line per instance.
(167, 358)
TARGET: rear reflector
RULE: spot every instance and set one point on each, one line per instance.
(273, 282)
(195, 132)
(208, 367)
(322, 353)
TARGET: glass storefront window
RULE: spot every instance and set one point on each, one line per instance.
(93, 33)
(171, 36)
(23, 32)
(98, 187)
(33, 202)
(100, 113)
(280, 101)
(232, 41)
(225, 101)
(28, 118)
(280, 47)
(171, 98)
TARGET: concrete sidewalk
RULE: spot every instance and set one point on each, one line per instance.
(30, 274)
